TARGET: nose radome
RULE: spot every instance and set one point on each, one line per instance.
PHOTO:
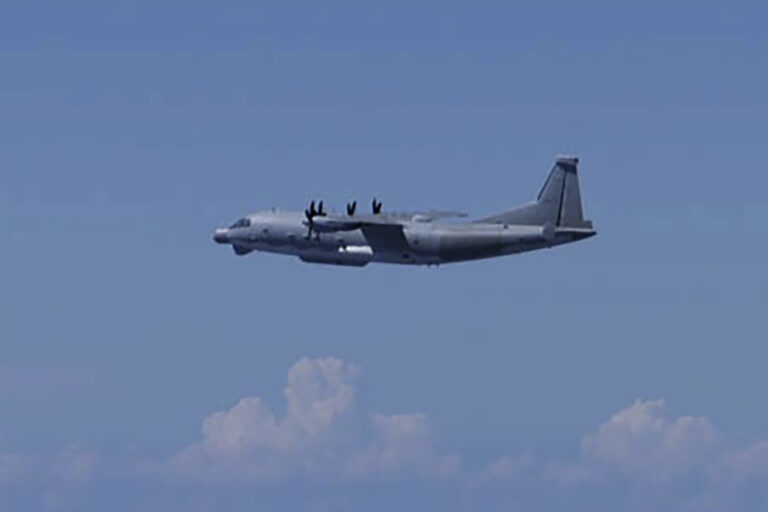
(221, 236)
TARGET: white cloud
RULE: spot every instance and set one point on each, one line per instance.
(509, 467)
(15, 467)
(402, 442)
(640, 442)
(315, 436)
(319, 392)
(649, 461)
(75, 463)
(751, 462)
(639, 458)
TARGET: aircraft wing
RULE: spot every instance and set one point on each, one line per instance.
(404, 217)
(331, 223)
(385, 237)
(431, 215)
(384, 233)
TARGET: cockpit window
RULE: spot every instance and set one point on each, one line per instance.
(241, 223)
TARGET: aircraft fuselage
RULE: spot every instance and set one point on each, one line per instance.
(426, 243)
(554, 218)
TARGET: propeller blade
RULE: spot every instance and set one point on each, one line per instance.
(376, 207)
(310, 213)
(351, 207)
(310, 228)
(320, 211)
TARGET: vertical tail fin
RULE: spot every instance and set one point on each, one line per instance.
(558, 203)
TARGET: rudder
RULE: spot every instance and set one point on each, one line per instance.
(558, 202)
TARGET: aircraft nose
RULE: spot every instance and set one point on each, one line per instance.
(221, 236)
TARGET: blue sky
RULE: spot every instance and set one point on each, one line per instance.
(129, 131)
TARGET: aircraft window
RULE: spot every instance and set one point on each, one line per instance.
(241, 223)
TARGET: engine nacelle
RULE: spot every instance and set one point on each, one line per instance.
(350, 256)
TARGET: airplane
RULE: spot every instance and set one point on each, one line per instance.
(418, 238)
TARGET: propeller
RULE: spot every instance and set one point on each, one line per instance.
(376, 206)
(310, 214)
(314, 210)
(351, 207)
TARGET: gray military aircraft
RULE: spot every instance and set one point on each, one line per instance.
(420, 238)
